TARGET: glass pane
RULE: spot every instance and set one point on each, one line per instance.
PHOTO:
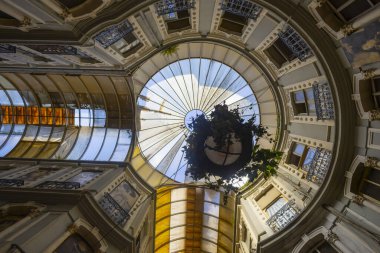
(122, 147)
(310, 155)
(298, 149)
(355, 9)
(81, 144)
(95, 144)
(276, 206)
(109, 145)
(15, 97)
(299, 97)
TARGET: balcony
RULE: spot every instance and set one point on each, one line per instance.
(6, 49)
(324, 104)
(164, 7)
(59, 185)
(113, 34)
(283, 217)
(114, 210)
(4, 182)
(242, 8)
(318, 167)
(295, 43)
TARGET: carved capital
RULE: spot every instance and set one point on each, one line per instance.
(34, 212)
(331, 237)
(26, 22)
(72, 229)
(371, 162)
(368, 74)
(346, 30)
(374, 115)
(65, 13)
(358, 199)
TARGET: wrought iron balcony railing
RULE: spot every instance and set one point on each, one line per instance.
(7, 49)
(295, 43)
(55, 49)
(283, 217)
(324, 104)
(318, 167)
(114, 33)
(114, 210)
(59, 185)
(4, 182)
(244, 8)
(164, 7)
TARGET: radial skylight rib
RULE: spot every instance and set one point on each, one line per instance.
(177, 92)
(169, 87)
(179, 109)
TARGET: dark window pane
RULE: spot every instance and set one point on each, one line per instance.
(337, 3)
(3, 15)
(371, 190)
(376, 84)
(326, 248)
(295, 160)
(71, 3)
(374, 176)
(355, 9)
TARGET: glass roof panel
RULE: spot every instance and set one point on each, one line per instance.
(183, 225)
(174, 91)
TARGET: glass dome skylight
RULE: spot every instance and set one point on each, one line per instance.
(176, 94)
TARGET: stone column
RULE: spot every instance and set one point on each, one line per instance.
(333, 239)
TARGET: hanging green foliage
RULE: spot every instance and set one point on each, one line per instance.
(222, 149)
(170, 50)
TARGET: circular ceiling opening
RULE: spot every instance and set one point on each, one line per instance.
(175, 95)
